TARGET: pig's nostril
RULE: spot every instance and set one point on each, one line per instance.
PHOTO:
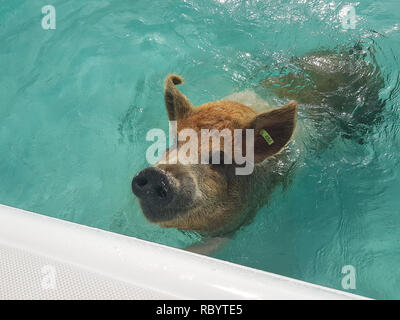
(141, 182)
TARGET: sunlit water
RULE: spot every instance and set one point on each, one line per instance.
(76, 103)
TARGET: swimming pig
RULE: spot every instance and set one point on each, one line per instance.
(213, 199)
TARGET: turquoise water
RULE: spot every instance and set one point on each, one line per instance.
(76, 102)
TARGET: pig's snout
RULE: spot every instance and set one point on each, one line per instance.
(153, 187)
(164, 193)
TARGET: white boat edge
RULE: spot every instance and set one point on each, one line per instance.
(127, 261)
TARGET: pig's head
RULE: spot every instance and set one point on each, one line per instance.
(209, 198)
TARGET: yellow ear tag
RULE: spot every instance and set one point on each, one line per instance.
(266, 137)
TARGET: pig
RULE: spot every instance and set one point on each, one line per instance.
(210, 198)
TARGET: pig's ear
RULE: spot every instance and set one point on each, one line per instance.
(273, 130)
(178, 106)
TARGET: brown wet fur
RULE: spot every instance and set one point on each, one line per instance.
(219, 115)
(216, 215)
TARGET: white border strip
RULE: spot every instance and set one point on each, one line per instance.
(174, 272)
